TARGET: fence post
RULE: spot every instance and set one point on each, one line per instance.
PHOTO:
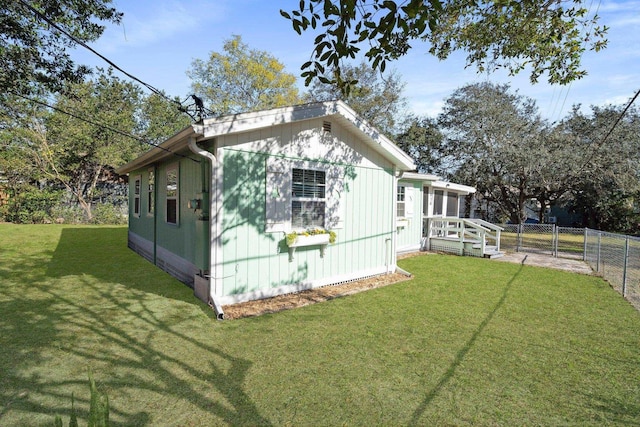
(586, 236)
(598, 253)
(555, 239)
(518, 236)
(624, 270)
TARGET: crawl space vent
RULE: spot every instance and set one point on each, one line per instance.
(326, 127)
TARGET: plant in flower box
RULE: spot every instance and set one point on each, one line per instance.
(310, 237)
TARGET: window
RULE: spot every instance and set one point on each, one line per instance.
(303, 194)
(150, 192)
(438, 201)
(136, 196)
(452, 204)
(308, 203)
(172, 194)
(400, 202)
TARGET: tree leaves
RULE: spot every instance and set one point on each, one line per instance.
(545, 38)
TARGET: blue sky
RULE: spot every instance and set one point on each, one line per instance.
(158, 40)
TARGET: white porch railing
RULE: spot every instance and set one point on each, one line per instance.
(464, 230)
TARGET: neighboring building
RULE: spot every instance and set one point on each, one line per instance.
(213, 204)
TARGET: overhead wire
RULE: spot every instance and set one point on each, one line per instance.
(152, 88)
(103, 126)
(610, 131)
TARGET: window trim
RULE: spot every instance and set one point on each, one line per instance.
(137, 187)
(308, 199)
(151, 196)
(402, 202)
(278, 189)
(175, 197)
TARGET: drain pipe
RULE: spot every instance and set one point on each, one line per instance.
(397, 175)
(213, 252)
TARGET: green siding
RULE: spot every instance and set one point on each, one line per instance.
(189, 238)
(254, 260)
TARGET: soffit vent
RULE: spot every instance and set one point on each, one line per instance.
(326, 126)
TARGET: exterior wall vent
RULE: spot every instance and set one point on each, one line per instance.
(326, 127)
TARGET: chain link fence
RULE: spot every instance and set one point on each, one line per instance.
(615, 257)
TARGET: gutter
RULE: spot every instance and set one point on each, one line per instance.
(213, 252)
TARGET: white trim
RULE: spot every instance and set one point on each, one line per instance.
(450, 186)
(237, 123)
(415, 176)
(311, 284)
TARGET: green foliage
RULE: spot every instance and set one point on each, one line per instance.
(99, 406)
(606, 176)
(161, 119)
(29, 205)
(508, 34)
(242, 79)
(423, 141)
(107, 213)
(34, 53)
(495, 141)
(378, 100)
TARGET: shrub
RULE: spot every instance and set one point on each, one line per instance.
(28, 204)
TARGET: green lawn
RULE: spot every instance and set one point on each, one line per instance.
(467, 342)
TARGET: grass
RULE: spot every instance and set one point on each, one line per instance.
(467, 342)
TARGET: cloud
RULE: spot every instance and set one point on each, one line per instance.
(151, 22)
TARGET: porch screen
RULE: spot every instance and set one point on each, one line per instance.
(452, 204)
(438, 201)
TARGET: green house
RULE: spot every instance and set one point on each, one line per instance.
(254, 205)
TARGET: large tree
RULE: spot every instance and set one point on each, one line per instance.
(242, 79)
(606, 185)
(496, 141)
(160, 118)
(547, 36)
(377, 99)
(424, 142)
(33, 52)
(79, 153)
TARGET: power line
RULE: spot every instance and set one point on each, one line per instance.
(606, 136)
(103, 126)
(107, 60)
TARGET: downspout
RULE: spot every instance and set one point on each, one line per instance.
(394, 235)
(213, 251)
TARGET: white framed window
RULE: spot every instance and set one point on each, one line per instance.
(303, 194)
(308, 198)
(150, 192)
(172, 194)
(400, 201)
(136, 195)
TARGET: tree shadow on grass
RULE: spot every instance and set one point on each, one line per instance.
(96, 306)
(462, 353)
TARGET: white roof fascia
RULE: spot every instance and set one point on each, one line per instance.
(245, 122)
(160, 152)
(415, 176)
(455, 187)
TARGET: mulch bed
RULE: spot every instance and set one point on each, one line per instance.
(311, 296)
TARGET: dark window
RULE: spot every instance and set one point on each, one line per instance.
(438, 199)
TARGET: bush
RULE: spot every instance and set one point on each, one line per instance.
(29, 205)
(107, 213)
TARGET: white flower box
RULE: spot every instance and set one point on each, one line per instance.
(311, 240)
